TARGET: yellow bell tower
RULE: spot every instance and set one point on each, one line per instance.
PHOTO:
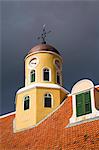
(43, 91)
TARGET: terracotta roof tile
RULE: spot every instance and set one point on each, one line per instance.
(51, 134)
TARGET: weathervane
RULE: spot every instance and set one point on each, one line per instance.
(43, 35)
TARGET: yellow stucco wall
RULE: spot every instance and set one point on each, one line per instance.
(45, 60)
(25, 118)
(63, 96)
(42, 111)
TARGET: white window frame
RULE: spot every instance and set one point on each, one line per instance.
(29, 103)
(51, 101)
(50, 77)
(30, 76)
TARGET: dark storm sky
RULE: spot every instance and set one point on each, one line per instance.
(75, 33)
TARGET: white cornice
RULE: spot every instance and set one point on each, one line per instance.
(45, 85)
(6, 115)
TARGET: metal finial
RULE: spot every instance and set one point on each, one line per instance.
(44, 34)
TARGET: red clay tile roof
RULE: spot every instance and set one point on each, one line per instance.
(51, 134)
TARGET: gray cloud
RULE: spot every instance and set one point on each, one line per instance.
(75, 33)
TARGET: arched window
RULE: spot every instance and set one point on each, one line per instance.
(32, 76)
(46, 74)
(47, 100)
(58, 77)
(26, 102)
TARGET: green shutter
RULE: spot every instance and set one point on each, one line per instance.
(79, 105)
(87, 99)
(83, 104)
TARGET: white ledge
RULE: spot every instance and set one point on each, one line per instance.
(81, 122)
(6, 115)
(46, 85)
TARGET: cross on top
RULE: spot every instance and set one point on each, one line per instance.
(43, 35)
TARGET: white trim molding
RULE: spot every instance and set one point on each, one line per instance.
(29, 79)
(82, 85)
(6, 115)
(45, 85)
(50, 74)
(51, 101)
(29, 102)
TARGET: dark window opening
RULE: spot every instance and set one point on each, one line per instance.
(47, 100)
(33, 76)
(46, 74)
(58, 78)
(26, 103)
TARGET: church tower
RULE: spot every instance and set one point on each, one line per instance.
(43, 91)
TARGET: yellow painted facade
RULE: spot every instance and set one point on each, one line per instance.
(36, 91)
(41, 111)
(25, 118)
(45, 60)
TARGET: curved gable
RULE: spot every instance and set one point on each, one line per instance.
(82, 86)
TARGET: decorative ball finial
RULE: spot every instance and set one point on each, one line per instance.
(43, 35)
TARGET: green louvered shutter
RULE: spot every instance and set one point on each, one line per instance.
(79, 105)
(87, 99)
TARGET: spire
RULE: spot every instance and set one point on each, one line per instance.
(43, 35)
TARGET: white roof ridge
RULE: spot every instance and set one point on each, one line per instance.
(6, 115)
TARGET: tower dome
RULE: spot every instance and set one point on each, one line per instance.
(43, 47)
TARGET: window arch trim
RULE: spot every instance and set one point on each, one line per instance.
(51, 96)
(28, 98)
(47, 68)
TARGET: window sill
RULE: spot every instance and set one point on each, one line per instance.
(83, 121)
